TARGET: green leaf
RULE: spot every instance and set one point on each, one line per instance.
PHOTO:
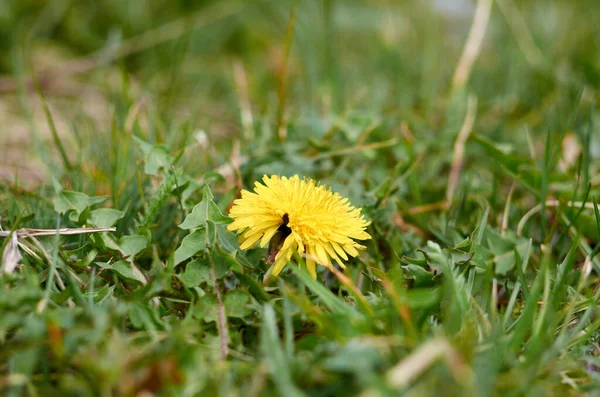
(190, 245)
(158, 157)
(142, 316)
(216, 215)
(223, 264)
(227, 240)
(196, 273)
(420, 276)
(207, 193)
(237, 303)
(270, 346)
(229, 262)
(144, 146)
(211, 233)
(423, 298)
(121, 267)
(415, 261)
(499, 153)
(105, 217)
(356, 356)
(242, 258)
(195, 218)
(497, 243)
(254, 287)
(334, 303)
(67, 200)
(463, 244)
(204, 211)
(132, 245)
(505, 262)
(80, 218)
(206, 308)
(97, 200)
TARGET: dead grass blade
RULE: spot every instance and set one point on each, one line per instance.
(20, 233)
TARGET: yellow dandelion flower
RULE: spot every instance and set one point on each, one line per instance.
(298, 215)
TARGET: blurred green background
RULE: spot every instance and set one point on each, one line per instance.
(190, 65)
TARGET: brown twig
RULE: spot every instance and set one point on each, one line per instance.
(440, 205)
(359, 148)
(549, 203)
(459, 147)
(53, 232)
(507, 208)
(40, 247)
(424, 357)
(473, 44)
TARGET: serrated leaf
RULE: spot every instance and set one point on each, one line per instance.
(196, 273)
(420, 276)
(415, 261)
(132, 245)
(206, 308)
(461, 258)
(236, 303)
(190, 245)
(463, 244)
(204, 211)
(105, 217)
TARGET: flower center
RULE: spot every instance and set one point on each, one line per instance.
(284, 229)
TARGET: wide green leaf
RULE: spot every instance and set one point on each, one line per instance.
(190, 245)
(105, 217)
(132, 245)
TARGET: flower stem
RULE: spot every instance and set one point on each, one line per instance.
(222, 323)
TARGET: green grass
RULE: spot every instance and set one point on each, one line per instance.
(131, 114)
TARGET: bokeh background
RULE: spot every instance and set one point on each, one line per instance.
(170, 69)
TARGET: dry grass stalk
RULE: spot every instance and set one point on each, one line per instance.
(53, 232)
